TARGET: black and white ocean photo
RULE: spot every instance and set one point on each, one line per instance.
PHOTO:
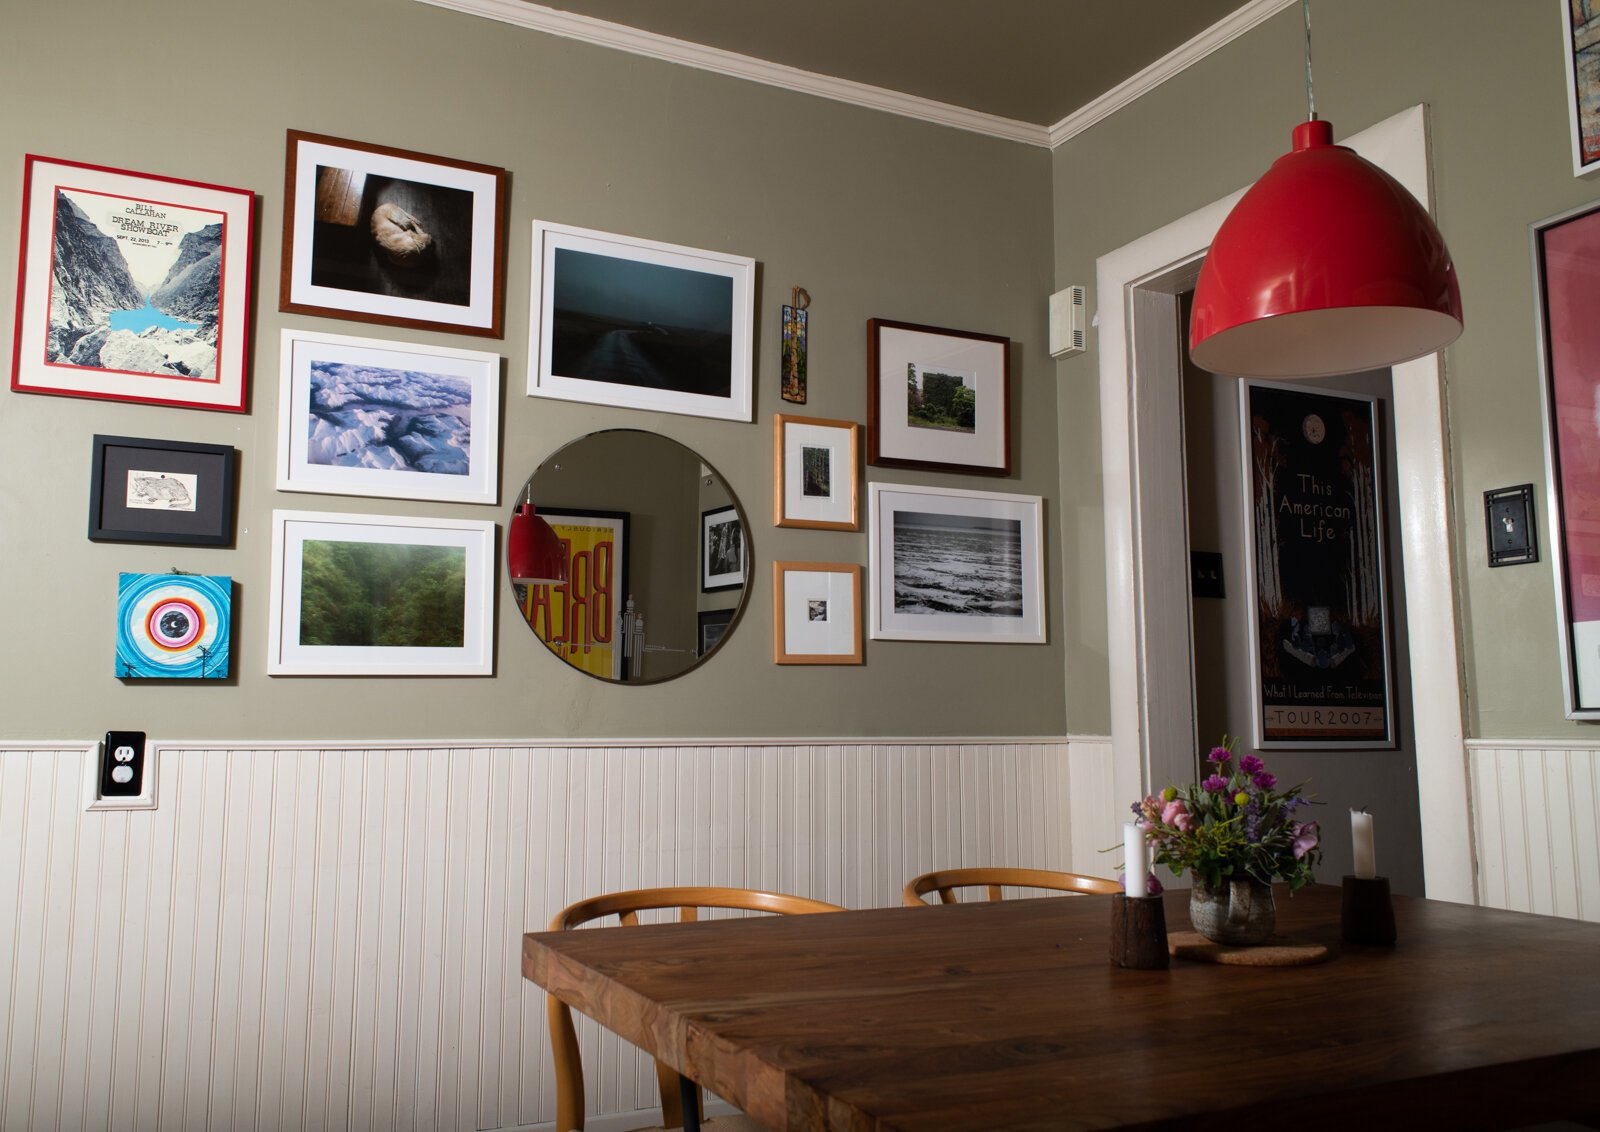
(956, 564)
(400, 420)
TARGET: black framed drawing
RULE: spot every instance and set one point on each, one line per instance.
(162, 491)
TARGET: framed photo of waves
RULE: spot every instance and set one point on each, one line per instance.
(395, 420)
(616, 320)
(955, 565)
(133, 287)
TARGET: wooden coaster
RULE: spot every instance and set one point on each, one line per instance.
(1277, 951)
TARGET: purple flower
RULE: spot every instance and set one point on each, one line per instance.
(1153, 887)
(1265, 780)
(1250, 764)
(1305, 838)
(1216, 784)
(1219, 755)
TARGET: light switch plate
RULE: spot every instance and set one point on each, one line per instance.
(1508, 517)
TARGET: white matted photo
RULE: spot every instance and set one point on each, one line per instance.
(395, 420)
(616, 320)
(814, 474)
(380, 595)
(816, 613)
(954, 565)
(724, 550)
(938, 399)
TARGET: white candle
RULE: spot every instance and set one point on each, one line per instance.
(1361, 839)
(1138, 862)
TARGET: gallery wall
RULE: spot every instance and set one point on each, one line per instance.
(1491, 76)
(877, 216)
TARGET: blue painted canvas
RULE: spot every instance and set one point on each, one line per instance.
(174, 626)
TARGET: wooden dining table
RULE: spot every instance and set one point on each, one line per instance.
(1011, 1016)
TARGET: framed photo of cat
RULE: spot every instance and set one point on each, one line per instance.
(384, 235)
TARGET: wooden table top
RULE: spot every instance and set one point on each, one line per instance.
(1010, 1016)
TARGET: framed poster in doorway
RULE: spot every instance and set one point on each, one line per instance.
(1320, 671)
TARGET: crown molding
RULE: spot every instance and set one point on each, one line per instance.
(1218, 35)
(603, 33)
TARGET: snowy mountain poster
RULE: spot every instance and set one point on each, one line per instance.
(135, 287)
(1314, 526)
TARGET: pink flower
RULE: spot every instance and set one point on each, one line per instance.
(1305, 838)
(1177, 815)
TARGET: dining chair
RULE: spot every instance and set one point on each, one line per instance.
(946, 881)
(626, 906)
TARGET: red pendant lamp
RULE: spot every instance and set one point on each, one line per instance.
(535, 554)
(1327, 265)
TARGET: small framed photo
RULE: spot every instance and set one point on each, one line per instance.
(938, 399)
(163, 491)
(816, 613)
(954, 565)
(814, 473)
(616, 320)
(385, 235)
(173, 626)
(724, 551)
(133, 287)
(361, 416)
(380, 595)
(712, 625)
(1581, 33)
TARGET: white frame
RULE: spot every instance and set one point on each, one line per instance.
(888, 498)
(1580, 167)
(841, 510)
(287, 657)
(739, 405)
(1247, 483)
(796, 639)
(480, 369)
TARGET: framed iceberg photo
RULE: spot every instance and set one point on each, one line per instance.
(361, 416)
(133, 287)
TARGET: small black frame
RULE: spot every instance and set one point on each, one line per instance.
(201, 517)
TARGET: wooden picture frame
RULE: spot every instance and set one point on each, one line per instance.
(1566, 271)
(955, 565)
(393, 420)
(815, 478)
(339, 581)
(383, 235)
(618, 320)
(816, 613)
(161, 491)
(171, 256)
(938, 399)
(1321, 675)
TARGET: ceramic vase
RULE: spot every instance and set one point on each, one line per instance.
(1237, 912)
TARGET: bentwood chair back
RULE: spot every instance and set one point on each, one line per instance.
(946, 881)
(626, 906)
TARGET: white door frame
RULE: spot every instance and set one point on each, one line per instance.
(1147, 574)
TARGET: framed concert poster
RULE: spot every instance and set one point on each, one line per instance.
(1313, 501)
(578, 619)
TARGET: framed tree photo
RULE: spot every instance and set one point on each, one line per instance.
(133, 287)
(814, 476)
(938, 399)
(385, 235)
(1313, 499)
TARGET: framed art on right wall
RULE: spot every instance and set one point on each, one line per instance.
(1566, 266)
(1581, 27)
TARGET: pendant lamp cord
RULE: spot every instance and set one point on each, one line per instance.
(1311, 96)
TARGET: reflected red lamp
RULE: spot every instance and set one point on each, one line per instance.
(1326, 265)
(534, 553)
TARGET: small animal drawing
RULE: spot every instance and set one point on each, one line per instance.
(161, 489)
(399, 234)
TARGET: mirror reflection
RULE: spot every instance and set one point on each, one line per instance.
(658, 557)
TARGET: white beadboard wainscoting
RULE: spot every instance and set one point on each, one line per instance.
(328, 936)
(1536, 818)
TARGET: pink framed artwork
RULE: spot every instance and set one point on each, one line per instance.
(133, 287)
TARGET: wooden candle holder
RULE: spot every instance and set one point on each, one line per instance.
(1367, 915)
(1139, 932)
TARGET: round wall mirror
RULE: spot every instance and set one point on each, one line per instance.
(657, 557)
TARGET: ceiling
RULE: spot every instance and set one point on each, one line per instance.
(1034, 61)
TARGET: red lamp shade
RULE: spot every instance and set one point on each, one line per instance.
(1326, 265)
(533, 550)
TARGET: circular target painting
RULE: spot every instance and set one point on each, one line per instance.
(173, 626)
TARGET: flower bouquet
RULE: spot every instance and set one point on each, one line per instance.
(1236, 832)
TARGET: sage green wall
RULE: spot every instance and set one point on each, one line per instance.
(876, 215)
(1491, 74)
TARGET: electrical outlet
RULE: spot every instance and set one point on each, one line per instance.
(122, 773)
